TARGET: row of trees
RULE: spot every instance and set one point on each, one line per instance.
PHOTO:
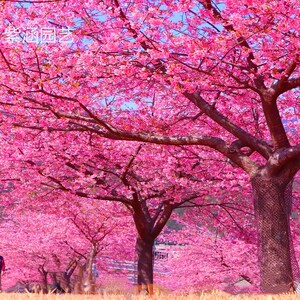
(213, 85)
(47, 250)
(136, 177)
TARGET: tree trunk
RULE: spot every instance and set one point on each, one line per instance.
(272, 202)
(144, 250)
(89, 280)
(70, 269)
(44, 278)
(79, 282)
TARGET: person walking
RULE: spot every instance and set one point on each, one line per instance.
(2, 270)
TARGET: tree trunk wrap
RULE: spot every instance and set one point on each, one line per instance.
(272, 203)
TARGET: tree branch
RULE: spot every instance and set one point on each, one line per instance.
(283, 157)
(284, 84)
(273, 119)
(161, 222)
(252, 142)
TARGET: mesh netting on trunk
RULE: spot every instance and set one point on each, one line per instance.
(279, 269)
(288, 196)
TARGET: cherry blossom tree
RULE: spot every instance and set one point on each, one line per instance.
(45, 247)
(227, 257)
(94, 226)
(30, 241)
(218, 75)
(134, 175)
(222, 262)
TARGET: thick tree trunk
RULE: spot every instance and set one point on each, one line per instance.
(144, 250)
(272, 200)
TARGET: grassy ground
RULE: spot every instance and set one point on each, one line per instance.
(205, 296)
